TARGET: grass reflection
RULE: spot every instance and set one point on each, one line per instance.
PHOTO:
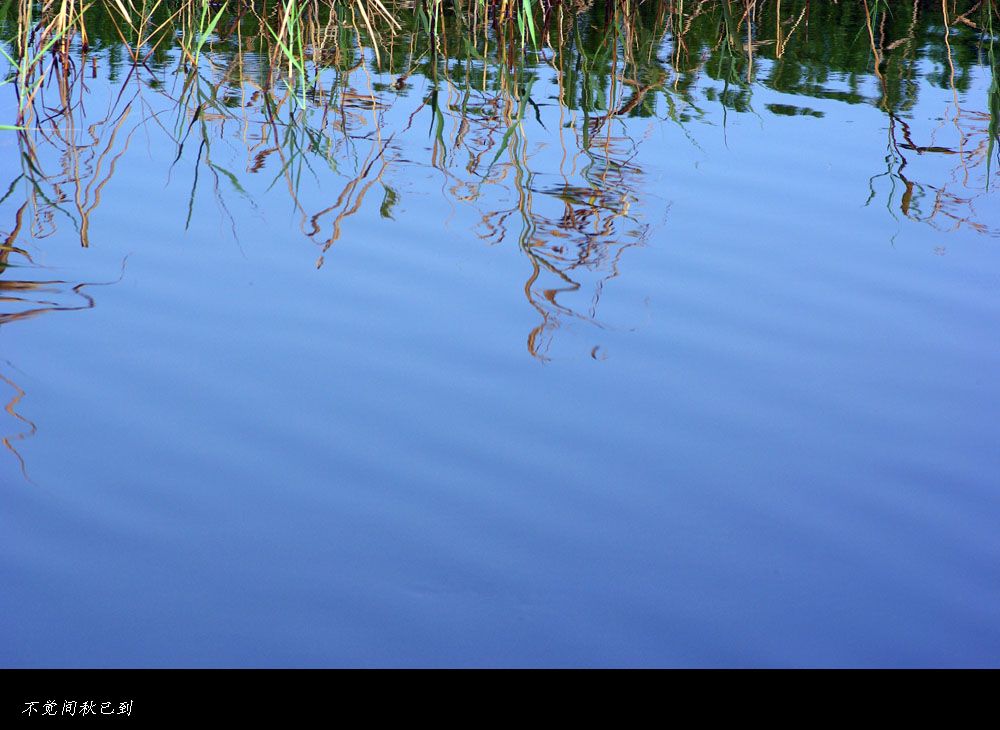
(317, 91)
(531, 113)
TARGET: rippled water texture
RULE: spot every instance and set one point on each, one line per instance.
(670, 338)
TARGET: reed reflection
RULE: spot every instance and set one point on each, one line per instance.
(23, 298)
(534, 122)
(66, 155)
(322, 95)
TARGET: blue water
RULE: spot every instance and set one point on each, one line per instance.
(757, 427)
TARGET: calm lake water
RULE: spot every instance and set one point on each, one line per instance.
(628, 350)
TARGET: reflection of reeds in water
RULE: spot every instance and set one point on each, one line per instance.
(304, 82)
(26, 428)
(315, 91)
(20, 300)
(946, 204)
(64, 180)
(292, 118)
(23, 299)
(309, 86)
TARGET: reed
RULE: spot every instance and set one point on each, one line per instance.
(740, 26)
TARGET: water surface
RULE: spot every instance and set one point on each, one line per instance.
(646, 346)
